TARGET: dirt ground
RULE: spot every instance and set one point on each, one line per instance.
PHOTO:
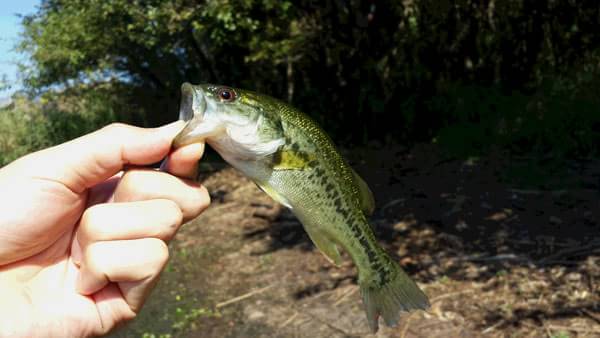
(503, 248)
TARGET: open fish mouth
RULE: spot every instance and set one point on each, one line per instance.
(191, 110)
(193, 102)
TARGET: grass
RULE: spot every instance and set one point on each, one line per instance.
(176, 304)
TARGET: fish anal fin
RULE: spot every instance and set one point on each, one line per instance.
(327, 247)
(367, 201)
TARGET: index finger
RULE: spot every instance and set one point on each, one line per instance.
(183, 162)
(93, 158)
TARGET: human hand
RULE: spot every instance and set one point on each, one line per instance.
(81, 242)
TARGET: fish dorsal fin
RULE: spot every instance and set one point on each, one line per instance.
(367, 201)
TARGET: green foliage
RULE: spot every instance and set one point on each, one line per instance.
(470, 75)
(22, 130)
(29, 125)
(561, 334)
(177, 306)
(545, 123)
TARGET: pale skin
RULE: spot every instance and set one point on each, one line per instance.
(84, 229)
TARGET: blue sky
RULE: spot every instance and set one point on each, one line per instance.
(9, 32)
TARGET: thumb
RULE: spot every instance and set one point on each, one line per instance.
(95, 157)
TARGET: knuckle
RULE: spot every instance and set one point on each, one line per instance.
(93, 258)
(162, 253)
(136, 180)
(205, 195)
(91, 221)
(119, 133)
(148, 178)
(173, 212)
(116, 128)
(131, 314)
(199, 203)
(134, 176)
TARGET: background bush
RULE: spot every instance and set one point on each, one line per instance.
(27, 124)
(474, 76)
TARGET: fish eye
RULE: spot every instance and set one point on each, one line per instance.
(226, 94)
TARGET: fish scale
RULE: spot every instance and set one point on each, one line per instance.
(293, 160)
(333, 208)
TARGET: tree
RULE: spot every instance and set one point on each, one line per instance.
(357, 66)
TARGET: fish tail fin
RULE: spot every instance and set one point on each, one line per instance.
(389, 297)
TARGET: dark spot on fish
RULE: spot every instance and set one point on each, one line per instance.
(329, 187)
(343, 212)
(368, 250)
(303, 156)
(374, 261)
(337, 202)
(277, 158)
(384, 276)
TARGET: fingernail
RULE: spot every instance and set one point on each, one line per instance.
(193, 150)
(164, 164)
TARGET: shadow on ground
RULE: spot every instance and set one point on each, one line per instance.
(500, 250)
(470, 220)
(474, 210)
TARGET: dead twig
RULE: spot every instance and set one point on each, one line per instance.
(450, 294)
(289, 320)
(392, 203)
(537, 192)
(546, 328)
(406, 325)
(589, 248)
(331, 326)
(345, 295)
(591, 315)
(574, 329)
(302, 322)
(481, 258)
(244, 296)
(493, 327)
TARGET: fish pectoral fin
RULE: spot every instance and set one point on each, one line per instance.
(288, 159)
(327, 247)
(367, 201)
(274, 194)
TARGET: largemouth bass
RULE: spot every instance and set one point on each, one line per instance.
(294, 161)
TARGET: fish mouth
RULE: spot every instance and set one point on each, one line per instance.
(193, 102)
(191, 110)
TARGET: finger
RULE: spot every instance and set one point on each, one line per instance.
(134, 264)
(183, 162)
(158, 218)
(93, 158)
(144, 184)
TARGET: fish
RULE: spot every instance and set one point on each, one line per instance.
(292, 159)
